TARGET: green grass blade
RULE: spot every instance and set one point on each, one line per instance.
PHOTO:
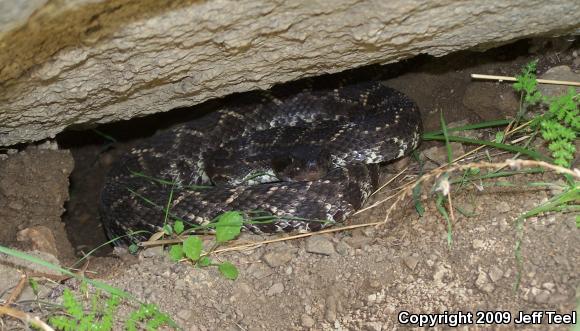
(515, 149)
(446, 136)
(476, 126)
(33, 259)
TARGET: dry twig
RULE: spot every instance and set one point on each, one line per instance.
(513, 79)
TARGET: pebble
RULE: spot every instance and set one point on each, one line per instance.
(557, 298)
(275, 289)
(495, 274)
(542, 297)
(40, 238)
(279, 257)
(411, 261)
(307, 321)
(549, 286)
(342, 248)
(482, 283)
(503, 207)
(319, 245)
(478, 244)
(373, 326)
(184, 314)
(438, 154)
(259, 270)
(152, 252)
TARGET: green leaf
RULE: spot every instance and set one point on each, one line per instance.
(499, 137)
(473, 171)
(178, 227)
(204, 261)
(228, 226)
(133, 248)
(167, 229)
(417, 200)
(228, 270)
(33, 285)
(192, 247)
(176, 252)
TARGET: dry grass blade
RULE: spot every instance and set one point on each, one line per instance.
(404, 192)
(17, 290)
(25, 317)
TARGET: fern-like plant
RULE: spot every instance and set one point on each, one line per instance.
(561, 124)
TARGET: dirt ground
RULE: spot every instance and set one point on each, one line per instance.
(358, 279)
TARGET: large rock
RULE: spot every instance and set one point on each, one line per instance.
(78, 62)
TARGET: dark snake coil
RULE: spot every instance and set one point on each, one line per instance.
(308, 158)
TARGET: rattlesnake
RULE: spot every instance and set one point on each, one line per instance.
(308, 157)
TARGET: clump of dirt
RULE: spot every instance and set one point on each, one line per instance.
(33, 190)
(362, 279)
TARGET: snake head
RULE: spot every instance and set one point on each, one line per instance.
(302, 163)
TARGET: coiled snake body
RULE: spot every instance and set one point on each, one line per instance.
(306, 157)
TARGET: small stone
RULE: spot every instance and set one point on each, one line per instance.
(495, 274)
(152, 252)
(357, 241)
(438, 154)
(242, 289)
(542, 297)
(279, 257)
(482, 283)
(342, 248)
(503, 225)
(40, 239)
(549, 286)
(319, 245)
(184, 314)
(371, 298)
(259, 271)
(275, 289)
(307, 321)
(503, 207)
(411, 261)
(557, 298)
(374, 283)
(373, 326)
(478, 244)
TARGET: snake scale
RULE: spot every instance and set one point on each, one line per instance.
(307, 158)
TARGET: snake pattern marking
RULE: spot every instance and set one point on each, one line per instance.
(308, 157)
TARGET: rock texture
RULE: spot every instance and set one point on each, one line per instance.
(78, 62)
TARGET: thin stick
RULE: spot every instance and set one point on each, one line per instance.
(513, 79)
(17, 290)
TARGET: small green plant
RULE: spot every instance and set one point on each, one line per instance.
(149, 315)
(96, 309)
(98, 318)
(227, 227)
(561, 124)
(100, 312)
